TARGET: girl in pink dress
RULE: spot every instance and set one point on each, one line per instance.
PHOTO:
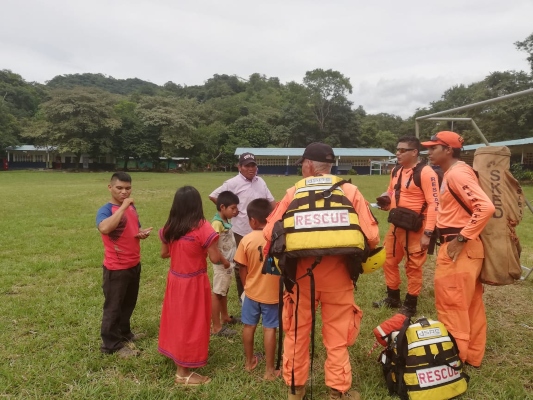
(187, 238)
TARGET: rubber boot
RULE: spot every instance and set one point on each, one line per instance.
(391, 301)
(409, 305)
(299, 393)
(334, 394)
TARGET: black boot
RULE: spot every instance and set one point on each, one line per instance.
(409, 305)
(391, 301)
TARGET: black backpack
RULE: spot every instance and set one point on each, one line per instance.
(417, 171)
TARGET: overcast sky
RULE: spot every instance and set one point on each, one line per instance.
(399, 55)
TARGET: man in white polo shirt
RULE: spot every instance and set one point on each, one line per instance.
(247, 186)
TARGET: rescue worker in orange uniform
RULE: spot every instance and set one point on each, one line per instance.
(458, 290)
(341, 317)
(400, 243)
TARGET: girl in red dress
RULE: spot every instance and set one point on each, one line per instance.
(187, 238)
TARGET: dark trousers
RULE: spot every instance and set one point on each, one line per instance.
(121, 288)
(240, 286)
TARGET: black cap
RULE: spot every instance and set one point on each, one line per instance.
(318, 152)
(246, 158)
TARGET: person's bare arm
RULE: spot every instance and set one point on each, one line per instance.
(165, 253)
(213, 199)
(243, 273)
(108, 225)
(215, 256)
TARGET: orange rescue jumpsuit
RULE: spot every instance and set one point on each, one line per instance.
(458, 290)
(341, 317)
(396, 239)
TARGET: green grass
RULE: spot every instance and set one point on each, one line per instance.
(51, 301)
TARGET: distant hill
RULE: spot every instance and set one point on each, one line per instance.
(101, 81)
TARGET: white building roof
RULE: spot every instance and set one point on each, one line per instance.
(515, 142)
(30, 147)
(298, 151)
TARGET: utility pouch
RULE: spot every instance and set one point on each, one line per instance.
(270, 266)
(405, 218)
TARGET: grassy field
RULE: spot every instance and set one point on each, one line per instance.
(51, 302)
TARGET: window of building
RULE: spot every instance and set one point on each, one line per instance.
(271, 161)
(22, 157)
(355, 161)
(528, 159)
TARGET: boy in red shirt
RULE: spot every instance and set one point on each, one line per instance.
(121, 231)
(260, 290)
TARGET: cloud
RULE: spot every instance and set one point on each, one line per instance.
(403, 96)
(398, 55)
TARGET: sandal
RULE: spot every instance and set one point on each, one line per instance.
(233, 320)
(224, 332)
(184, 380)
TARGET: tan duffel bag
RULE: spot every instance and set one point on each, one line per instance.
(501, 265)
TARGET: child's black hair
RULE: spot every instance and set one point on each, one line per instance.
(259, 209)
(121, 176)
(186, 213)
(226, 199)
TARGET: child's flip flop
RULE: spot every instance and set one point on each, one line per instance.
(233, 320)
(225, 332)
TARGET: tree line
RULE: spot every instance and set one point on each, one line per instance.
(97, 114)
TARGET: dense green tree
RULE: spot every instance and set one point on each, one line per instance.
(9, 128)
(19, 97)
(527, 46)
(172, 89)
(209, 146)
(79, 120)
(296, 115)
(387, 140)
(326, 89)
(251, 131)
(169, 123)
(227, 109)
(107, 83)
(130, 139)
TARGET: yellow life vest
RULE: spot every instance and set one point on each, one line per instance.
(320, 220)
(422, 362)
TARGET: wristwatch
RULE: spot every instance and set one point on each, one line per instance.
(461, 238)
(428, 233)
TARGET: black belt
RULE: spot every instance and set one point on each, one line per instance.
(448, 234)
(446, 239)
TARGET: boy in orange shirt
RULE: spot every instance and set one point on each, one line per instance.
(260, 290)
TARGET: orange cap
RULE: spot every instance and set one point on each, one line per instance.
(445, 138)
